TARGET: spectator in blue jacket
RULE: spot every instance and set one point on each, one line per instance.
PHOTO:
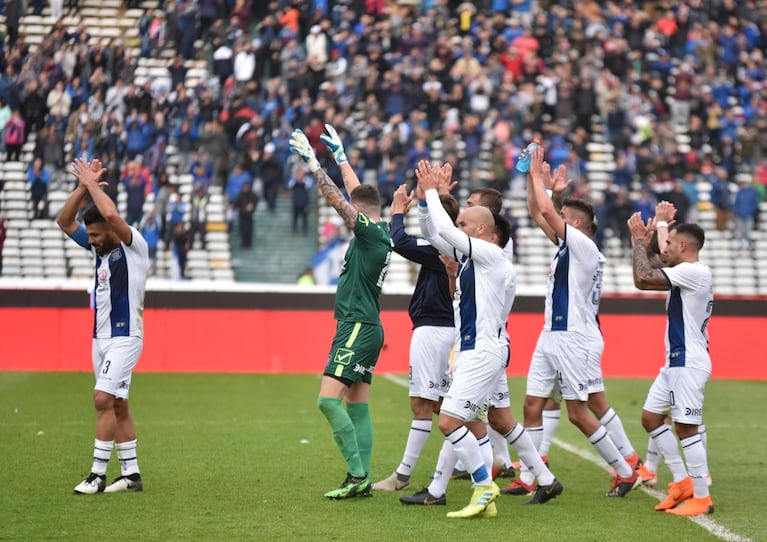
(744, 211)
(39, 178)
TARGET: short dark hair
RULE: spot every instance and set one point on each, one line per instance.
(92, 216)
(450, 204)
(580, 205)
(366, 195)
(691, 230)
(490, 198)
(502, 229)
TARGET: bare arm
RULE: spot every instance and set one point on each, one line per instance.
(335, 198)
(646, 277)
(351, 181)
(89, 176)
(552, 224)
(67, 219)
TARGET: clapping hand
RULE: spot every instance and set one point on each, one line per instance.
(299, 144)
(88, 174)
(427, 176)
(639, 230)
(334, 144)
(400, 204)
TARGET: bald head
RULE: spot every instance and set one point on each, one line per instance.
(477, 222)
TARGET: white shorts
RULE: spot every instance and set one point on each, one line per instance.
(475, 374)
(594, 380)
(678, 391)
(559, 366)
(500, 398)
(113, 363)
(430, 348)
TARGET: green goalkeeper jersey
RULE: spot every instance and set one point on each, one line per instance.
(365, 265)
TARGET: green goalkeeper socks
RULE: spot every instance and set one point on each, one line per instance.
(344, 434)
(363, 427)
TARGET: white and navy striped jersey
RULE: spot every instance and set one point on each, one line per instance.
(486, 283)
(571, 278)
(688, 308)
(592, 303)
(119, 287)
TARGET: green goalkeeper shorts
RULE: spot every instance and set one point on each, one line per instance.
(355, 350)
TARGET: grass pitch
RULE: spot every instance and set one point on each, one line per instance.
(248, 457)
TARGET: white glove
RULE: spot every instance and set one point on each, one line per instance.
(334, 144)
(299, 144)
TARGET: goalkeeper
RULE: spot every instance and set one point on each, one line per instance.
(359, 334)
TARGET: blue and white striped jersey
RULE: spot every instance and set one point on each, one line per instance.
(688, 307)
(119, 287)
(486, 283)
(570, 283)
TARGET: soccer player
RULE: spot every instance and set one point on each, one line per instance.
(501, 424)
(680, 385)
(484, 295)
(560, 363)
(431, 311)
(597, 399)
(122, 264)
(359, 334)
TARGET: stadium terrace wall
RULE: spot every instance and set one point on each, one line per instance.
(290, 332)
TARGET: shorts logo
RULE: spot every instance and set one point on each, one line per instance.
(693, 412)
(472, 407)
(343, 356)
(360, 369)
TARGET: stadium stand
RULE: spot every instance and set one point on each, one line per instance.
(401, 72)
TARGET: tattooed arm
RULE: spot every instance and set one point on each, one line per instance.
(646, 277)
(299, 144)
(335, 198)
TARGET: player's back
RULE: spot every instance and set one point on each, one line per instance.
(366, 263)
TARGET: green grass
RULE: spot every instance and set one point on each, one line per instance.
(236, 457)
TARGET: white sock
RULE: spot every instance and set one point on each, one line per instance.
(445, 465)
(653, 456)
(520, 440)
(609, 452)
(536, 436)
(420, 429)
(612, 422)
(703, 435)
(697, 465)
(666, 442)
(467, 450)
(102, 451)
(486, 449)
(126, 454)
(500, 447)
(551, 419)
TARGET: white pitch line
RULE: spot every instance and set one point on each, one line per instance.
(719, 531)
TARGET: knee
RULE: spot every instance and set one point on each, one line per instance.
(651, 421)
(121, 408)
(103, 401)
(448, 424)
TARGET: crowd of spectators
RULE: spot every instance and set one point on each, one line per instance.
(401, 80)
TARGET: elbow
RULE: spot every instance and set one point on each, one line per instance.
(641, 284)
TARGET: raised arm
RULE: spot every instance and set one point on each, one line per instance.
(89, 176)
(426, 221)
(299, 144)
(67, 219)
(664, 217)
(646, 277)
(542, 208)
(336, 148)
